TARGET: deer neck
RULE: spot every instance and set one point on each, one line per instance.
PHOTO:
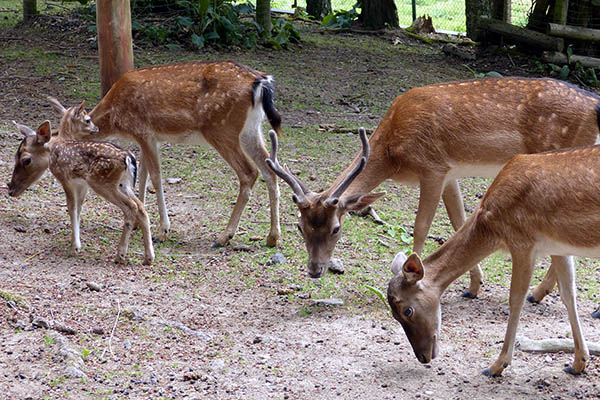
(468, 246)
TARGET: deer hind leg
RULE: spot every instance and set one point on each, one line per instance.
(75, 193)
(522, 271)
(565, 274)
(456, 212)
(141, 218)
(143, 180)
(151, 164)
(247, 175)
(253, 144)
(547, 284)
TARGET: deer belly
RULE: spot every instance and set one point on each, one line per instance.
(482, 170)
(191, 137)
(546, 247)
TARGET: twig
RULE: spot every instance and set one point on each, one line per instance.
(112, 332)
(32, 256)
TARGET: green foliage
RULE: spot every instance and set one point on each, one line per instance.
(196, 24)
(479, 75)
(378, 293)
(341, 18)
(586, 76)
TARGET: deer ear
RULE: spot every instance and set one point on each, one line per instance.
(398, 263)
(357, 202)
(24, 129)
(80, 109)
(44, 132)
(57, 106)
(413, 269)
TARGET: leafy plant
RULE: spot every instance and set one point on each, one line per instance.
(479, 75)
(341, 18)
(378, 293)
(586, 76)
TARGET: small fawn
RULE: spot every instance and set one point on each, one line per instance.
(78, 165)
(538, 205)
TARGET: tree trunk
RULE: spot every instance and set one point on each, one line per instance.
(379, 14)
(318, 8)
(29, 9)
(263, 15)
(474, 10)
(115, 50)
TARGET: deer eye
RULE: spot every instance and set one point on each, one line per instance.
(336, 230)
(408, 313)
(26, 161)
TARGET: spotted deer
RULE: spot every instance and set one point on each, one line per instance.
(538, 205)
(78, 165)
(221, 104)
(434, 135)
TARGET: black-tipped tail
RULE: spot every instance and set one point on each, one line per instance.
(131, 160)
(268, 105)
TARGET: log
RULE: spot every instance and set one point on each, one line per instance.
(521, 35)
(552, 345)
(561, 59)
(573, 32)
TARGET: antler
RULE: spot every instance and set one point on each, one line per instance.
(297, 186)
(354, 173)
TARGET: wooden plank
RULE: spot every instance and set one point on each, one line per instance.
(521, 35)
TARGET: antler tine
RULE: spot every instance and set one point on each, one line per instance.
(284, 174)
(357, 170)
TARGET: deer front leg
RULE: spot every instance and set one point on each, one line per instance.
(547, 285)
(151, 160)
(565, 273)
(456, 212)
(430, 189)
(522, 270)
(75, 194)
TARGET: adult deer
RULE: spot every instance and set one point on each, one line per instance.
(78, 165)
(539, 204)
(435, 134)
(217, 103)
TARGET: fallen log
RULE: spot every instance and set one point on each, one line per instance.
(552, 345)
(521, 35)
(562, 59)
(573, 32)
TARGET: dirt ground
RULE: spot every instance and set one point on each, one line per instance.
(192, 326)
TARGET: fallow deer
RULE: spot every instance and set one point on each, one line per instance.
(433, 135)
(538, 205)
(78, 165)
(221, 104)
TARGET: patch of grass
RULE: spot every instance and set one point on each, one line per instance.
(14, 297)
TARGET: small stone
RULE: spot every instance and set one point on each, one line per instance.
(328, 302)
(20, 229)
(277, 258)
(39, 322)
(93, 286)
(98, 330)
(217, 365)
(285, 291)
(548, 359)
(173, 181)
(74, 372)
(242, 247)
(127, 344)
(257, 340)
(336, 266)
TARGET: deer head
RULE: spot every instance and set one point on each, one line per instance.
(32, 158)
(321, 214)
(415, 306)
(75, 122)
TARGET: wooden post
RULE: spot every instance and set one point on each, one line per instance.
(115, 49)
(560, 11)
(29, 9)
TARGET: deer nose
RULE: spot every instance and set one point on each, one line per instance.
(316, 270)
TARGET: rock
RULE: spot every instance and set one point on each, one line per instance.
(39, 322)
(217, 365)
(67, 330)
(134, 314)
(74, 372)
(173, 181)
(336, 266)
(328, 302)
(277, 258)
(127, 344)
(93, 286)
(20, 229)
(242, 247)
(98, 330)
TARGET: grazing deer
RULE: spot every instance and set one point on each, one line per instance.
(433, 135)
(218, 103)
(539, 204)
(77, 164)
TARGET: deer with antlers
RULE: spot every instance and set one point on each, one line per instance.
(434, 135)
(221, 104)
(539, 204)
(78, 165)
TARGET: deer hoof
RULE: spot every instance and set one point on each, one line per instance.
(596, 313)
(468, 295)
(216, 245)
(488, 372)
(571, 370)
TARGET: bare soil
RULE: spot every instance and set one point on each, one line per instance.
(193, 325)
